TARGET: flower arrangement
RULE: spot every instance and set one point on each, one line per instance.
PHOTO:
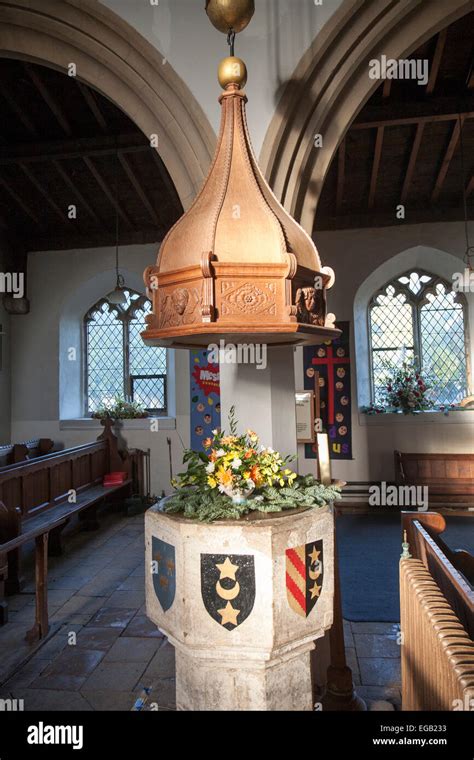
(121, 409)
(406, 390)
(235, 474)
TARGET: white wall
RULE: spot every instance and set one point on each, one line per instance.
(62, 287)
(356, 256)
(5, 409)
(279, 34)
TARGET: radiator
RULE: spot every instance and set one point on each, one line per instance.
(437, 654)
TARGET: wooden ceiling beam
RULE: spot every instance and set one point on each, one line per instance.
(19, 201)
(75, 148)
(470, 186)
(17, 110)
(415, 148)
(39, 187)
(75, 189)
(138, 189)
(436, 62)
(341, 174)
(416, 214)
(395, 114)
(49, 99)
(445, 164)
(107, 191)
(376, 166)
(72, 241)
(94, 107)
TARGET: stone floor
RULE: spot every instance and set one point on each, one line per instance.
(103, 651)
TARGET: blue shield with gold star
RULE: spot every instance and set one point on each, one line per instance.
(304, 576)
(164, 572)
(228, 587)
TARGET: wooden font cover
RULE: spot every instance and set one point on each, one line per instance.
(236, 266)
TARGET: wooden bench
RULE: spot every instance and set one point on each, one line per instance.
(449, 477)
(37, 500)
(21, 452)
(437, 618)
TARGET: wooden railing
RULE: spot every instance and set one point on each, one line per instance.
(20, 452)
(437, 619)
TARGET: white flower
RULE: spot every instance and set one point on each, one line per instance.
(214, 432)
(220, 453)
(250, 483)
(210, 467)
(221, 488)
(258, 498)
(270, 450)
(236, 463)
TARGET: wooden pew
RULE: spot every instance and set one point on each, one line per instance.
(21, 452)
(37, 500)
(437, 618)
(449, 477)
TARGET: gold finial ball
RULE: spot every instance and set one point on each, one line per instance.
(232, 70)
(230, 14)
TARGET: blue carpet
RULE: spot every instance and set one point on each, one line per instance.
(369, 551)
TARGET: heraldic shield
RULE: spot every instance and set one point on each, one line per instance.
(228, 587)
(304, 576)
(164, 572)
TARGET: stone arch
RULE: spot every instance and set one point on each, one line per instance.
(117, 61)
(331, 84)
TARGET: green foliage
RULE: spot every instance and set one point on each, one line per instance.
(121, 409)
(208, 505)
(405, 388)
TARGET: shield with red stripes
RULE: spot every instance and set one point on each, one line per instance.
(304, 576)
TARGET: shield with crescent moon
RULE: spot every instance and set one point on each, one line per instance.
(304, 576)
(228, 587)
(164, 575)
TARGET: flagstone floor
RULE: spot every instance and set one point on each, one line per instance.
(96, 591)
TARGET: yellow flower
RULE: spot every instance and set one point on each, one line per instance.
(253, 436)
(224, 477)
(211, 481)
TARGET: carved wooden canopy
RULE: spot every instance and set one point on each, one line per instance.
(236, 266)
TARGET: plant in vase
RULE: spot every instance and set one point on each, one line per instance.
(236, 474)
(121, 409)
(406, 389)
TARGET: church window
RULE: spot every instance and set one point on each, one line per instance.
(419, 317)
(118, 364)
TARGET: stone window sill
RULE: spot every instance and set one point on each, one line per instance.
(420, 418)
(87, 423)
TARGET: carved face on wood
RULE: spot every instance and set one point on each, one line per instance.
(310, 306)
(180, 300)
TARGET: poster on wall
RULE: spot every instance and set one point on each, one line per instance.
(327, 370)
(205, 397)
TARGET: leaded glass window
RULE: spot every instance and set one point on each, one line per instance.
(118, 364)
(419, 316)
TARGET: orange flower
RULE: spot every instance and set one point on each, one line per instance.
(256, 475)
(225, 477)
(213, 455)
(228, 439)
(207, 443)
(248, 454)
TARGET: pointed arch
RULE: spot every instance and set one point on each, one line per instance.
(117, 61)
(331, 84)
